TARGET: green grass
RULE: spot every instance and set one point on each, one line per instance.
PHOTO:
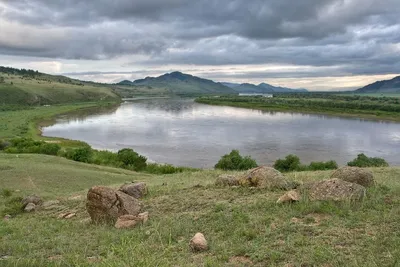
(241, 224)
(27, 122)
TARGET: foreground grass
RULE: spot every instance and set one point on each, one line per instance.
(243, 226)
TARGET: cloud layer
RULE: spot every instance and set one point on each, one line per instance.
(308, 38)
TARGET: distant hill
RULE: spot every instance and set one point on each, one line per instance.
(385, 86)
(264, 88)
(181, 83)
(29, 87)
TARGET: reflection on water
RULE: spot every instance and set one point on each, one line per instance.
(185, 133)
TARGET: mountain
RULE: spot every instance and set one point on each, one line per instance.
(264, 88)
(385, 86)
(181, 83)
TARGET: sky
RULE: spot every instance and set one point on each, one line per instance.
(313, 44)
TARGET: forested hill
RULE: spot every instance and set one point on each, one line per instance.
(385, 86)
(30, 87)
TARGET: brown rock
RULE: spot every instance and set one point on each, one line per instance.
(31, 199)
(106, 205)
(227, 180)
(136, 190)
(290, 196)
(126, 222)
(30, 207)
(198, 242)
(333, 190)
(356, 175)
(266, 177)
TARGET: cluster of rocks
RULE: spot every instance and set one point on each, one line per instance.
(121, 207)
(347, 183)
(31, 203)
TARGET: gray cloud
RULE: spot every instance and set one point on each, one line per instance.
(353, 36)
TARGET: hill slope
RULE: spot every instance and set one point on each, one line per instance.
(180, 83)
(385, 86)
(264, 88)
(28, 87)
(244, 227)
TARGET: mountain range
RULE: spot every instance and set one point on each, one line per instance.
(385, 86)
(181, 83)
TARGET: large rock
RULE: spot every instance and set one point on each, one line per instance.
(198, 243)
(106, 205)
(31, 199)
(227, 180)
(356, 175)
(30, 207)
(136, 190)
(266, 177)
(333, 190)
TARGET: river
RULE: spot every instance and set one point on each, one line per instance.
(184, 133)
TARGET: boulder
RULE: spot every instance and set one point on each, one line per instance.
(198, 243)
(356, 175)
(106, 205)
(333, 190)
(266, 177)
(30, 207)
(290, 196)
(227, 180)
(31, 199)
(136, 190)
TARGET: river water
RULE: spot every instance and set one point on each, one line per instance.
(184, 133)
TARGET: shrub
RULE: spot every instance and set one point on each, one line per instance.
(82, 154)
(290, 163)
(49, 149)
(13, 207)
(234, 161)
(107, 158)
(322, 166)
(131, 160)
(155, 168)
(363, 161)
(4, 144)
(6, 192)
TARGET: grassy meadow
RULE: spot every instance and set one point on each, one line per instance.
(244, 226)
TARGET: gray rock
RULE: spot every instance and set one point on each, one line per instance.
(30, 207)
(106, 205)
(31, 199)
(333, 190)
(356, 175)
(136, 190)
(268, 178)
(198, 243)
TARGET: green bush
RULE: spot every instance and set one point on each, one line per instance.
(82, 154)
(49, 149)
(5, 192)
(322, 166)
(234, 161)
(28, 145)
(290, 163)
(155, 168)
(13, 207)
(107, 158)
(363, 161)
(131, 160)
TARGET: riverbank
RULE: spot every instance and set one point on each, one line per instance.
(28, 122)
(313, 106)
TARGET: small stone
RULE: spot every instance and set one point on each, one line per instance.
(30, 207)
(144, 216)
(198, 243)
(290, 196)
(126, 222)
(69, 216)
(66, 215)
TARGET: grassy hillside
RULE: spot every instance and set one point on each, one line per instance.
(34, 88)
(243, 226)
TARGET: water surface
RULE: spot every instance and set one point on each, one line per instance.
(185, 133)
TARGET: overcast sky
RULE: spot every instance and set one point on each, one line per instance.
(314, 44)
